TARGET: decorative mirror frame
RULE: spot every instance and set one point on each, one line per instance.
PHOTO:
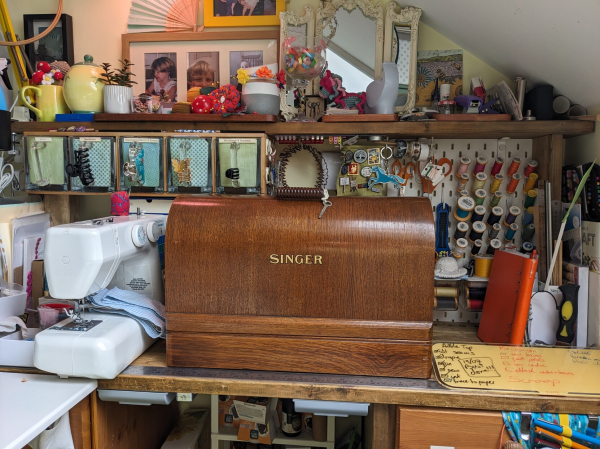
(409, 15)
(326, 13)
(291, 18)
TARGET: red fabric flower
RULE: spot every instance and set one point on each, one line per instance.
(264, 72)
(43, 66)
(37, 77)
(281, 78)
(227, 99)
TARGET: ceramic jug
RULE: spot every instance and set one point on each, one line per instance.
(49, 101)
(84, 88)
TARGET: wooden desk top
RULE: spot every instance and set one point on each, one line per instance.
(151, 373)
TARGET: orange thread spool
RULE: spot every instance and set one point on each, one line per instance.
(514, 182)
(514, 166)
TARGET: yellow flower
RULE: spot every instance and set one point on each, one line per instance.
(242, 76)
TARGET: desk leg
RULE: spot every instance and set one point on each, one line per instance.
(81, 424)
(380, 427)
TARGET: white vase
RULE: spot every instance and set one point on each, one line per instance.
(117, 99)
(261, 96)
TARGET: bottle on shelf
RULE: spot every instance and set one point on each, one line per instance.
(291, 422)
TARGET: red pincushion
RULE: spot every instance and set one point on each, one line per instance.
(227, 99)
(203, 104)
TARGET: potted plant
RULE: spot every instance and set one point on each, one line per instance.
(118, 92)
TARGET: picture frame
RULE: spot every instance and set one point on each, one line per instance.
(57, 46)
(245, 13)
(193, 53)
(315, 107)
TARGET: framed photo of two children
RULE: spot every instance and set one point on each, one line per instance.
(235, 13)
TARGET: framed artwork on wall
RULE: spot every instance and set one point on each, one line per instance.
(56, 46)
(196, 59)
(235, 13)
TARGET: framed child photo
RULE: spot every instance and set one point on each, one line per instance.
(236, 13)
(56, 46)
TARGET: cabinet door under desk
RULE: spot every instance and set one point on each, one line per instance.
(422, 428)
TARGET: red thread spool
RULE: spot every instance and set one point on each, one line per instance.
(480, 165)
(474, 305)
(531, 168)
(498, 163)
(514, 182)
(514, 166)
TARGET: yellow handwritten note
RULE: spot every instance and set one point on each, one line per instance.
(549, 371)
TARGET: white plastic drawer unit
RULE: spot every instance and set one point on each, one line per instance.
(31, 402)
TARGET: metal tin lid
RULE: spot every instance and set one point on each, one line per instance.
(87, 60)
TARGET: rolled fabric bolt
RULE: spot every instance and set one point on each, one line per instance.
(462, 181)
(495, 185)
(461, 230)
(480, 164)
(530, 184)
(477, 231)
(478, 214)
(498, 163)
(494, 231)
(527, 248)
(477, 244)
(459, 250)
(479, 181)
(528, 232)
(527, 216)
(483, 265)
(480, 195)
(532, 166)
(510, 234)
(514, 182)
(446, 292)
(464, 165)
(511, 216)
(464, 207)
(514, 166)
(495, 244)
(496, 199)
(495, 215)
(530, 198)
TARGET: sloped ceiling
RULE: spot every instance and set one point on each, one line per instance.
(551, 41)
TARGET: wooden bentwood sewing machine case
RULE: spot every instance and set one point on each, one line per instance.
(264, 284)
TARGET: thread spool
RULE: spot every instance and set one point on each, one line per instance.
(498, 163)
(480, 164)
(464, 207)
(510, 246)
(530, 198)
(494, 245)
(514, 166)
(478, 214)
(476, 293)
(445, 303)
(512, 215)
(461, 230)
(477, 231)
(463, 192)
(446, 292)
(479, 181)
(496, 183)
(480, 195)
(459, 251)
(495, 215)
(462, 181)
(477, 244)
(532, 166)
(510, 234)
(464, 165)
(530, 184)
(513, 183)
(527, 216)
(496, 199)
(474, 305)
(527, 248)
(528, 232)
(483, 265)
(494, 231)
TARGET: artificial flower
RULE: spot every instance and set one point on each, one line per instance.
(47, 79)
(242, 76)
(37, 77)
(281, 78)
(264, 72)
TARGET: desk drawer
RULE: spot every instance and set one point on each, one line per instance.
(422, 428)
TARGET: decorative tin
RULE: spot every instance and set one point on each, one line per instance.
(189, 162)
(238, 165)
(46, 161)
(141, 164)
(92, 164)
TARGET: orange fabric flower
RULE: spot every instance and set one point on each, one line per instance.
(264, 72)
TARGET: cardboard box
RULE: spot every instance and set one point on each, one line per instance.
(254, 409)
(228, 416)
(186, 434)
(257, 433)
(14, 351)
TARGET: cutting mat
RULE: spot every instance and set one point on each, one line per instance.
(548, 371)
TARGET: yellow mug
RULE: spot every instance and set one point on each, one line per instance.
(49, 101)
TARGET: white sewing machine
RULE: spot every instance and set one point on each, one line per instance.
(82, 258)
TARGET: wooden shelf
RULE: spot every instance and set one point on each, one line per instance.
(440, 130)
(187, 118)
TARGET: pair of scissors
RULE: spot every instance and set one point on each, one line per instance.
(403, 170)
(428, 186)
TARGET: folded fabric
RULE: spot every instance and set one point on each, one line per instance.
(148, 312)
(9, 324)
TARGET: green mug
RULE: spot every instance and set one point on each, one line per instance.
(49, 101)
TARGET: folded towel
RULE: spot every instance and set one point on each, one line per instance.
(148, 312)
(9, 324)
